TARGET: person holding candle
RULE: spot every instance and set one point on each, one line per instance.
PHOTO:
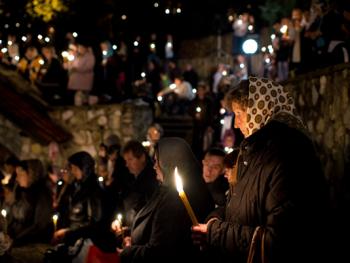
(144, 182)
(29, 215)
(161, 230)
(84, 211)
(279, 183)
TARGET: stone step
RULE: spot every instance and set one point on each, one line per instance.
(177, 126)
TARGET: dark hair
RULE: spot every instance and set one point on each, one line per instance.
(231, 158)
(113, 149)
(12, 160)
(112, 144)
(112, 139)
(34, 167)
(239, 94)
(203, 85)
(84, 161)
(158, 127)
(178, 75)
(135, 147)
(215, 151)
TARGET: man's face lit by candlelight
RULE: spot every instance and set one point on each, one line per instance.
(212, 167)
(134, 164)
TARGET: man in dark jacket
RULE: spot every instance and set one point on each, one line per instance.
(213, 175)
(141, 190)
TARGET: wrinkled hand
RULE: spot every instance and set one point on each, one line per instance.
(199, 235)
(117, 228)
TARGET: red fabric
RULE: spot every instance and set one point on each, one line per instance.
(96, 255)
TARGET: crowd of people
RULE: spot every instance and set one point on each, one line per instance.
(124, 203)
(303, 41)
(250, 174)
(88, 71)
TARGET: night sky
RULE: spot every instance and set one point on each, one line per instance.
(197, 17)
(102, 18)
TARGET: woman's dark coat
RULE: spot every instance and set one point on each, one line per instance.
(281, 187)
(162, 229)
(30, 215)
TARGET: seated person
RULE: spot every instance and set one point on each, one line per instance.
(29, 215)
(84, 212)
(176, 98)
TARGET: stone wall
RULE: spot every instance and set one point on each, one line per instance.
(10, 136)
(89, 125)
(323, 100)
(205, 55)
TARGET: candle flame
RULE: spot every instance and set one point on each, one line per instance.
(55, 217)
(146, 143)
(3, 213)
(178, 181)
(119, 217)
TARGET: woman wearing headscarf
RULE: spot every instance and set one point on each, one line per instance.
(161, 231)
(279, 183)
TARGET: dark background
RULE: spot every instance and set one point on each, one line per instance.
(102, 18)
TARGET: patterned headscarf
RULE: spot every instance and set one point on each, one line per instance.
(269, 100)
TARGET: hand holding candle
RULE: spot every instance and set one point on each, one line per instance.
(117, 225)
(183, 197)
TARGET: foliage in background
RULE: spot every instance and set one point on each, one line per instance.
(273, 10)
(45, 9)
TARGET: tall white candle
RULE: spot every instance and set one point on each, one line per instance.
(183, 197)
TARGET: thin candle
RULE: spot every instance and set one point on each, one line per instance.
(119, 219)
(54, 220)
(183, 197)
(4, 214)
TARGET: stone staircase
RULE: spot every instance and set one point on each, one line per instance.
(177, 126)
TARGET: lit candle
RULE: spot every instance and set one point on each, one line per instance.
(146, 143)
(4, 214)
(119, 218)
(54, 220)
(183, 197)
